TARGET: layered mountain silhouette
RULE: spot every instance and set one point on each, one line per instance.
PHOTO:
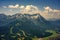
(33, 24)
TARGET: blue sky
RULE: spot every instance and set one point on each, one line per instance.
(11, 7)
(55, 4)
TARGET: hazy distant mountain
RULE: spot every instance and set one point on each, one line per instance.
(56, 22)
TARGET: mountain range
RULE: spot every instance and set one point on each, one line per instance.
(33, 24)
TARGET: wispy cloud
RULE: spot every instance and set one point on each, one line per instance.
(4, 6)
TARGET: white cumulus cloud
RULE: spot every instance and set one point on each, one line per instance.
(21, 7)
(48, 12)
(13, 6)
(30, 9)
(51, 14)
(48, 9)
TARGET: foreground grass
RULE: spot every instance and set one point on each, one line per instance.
(54, 34)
